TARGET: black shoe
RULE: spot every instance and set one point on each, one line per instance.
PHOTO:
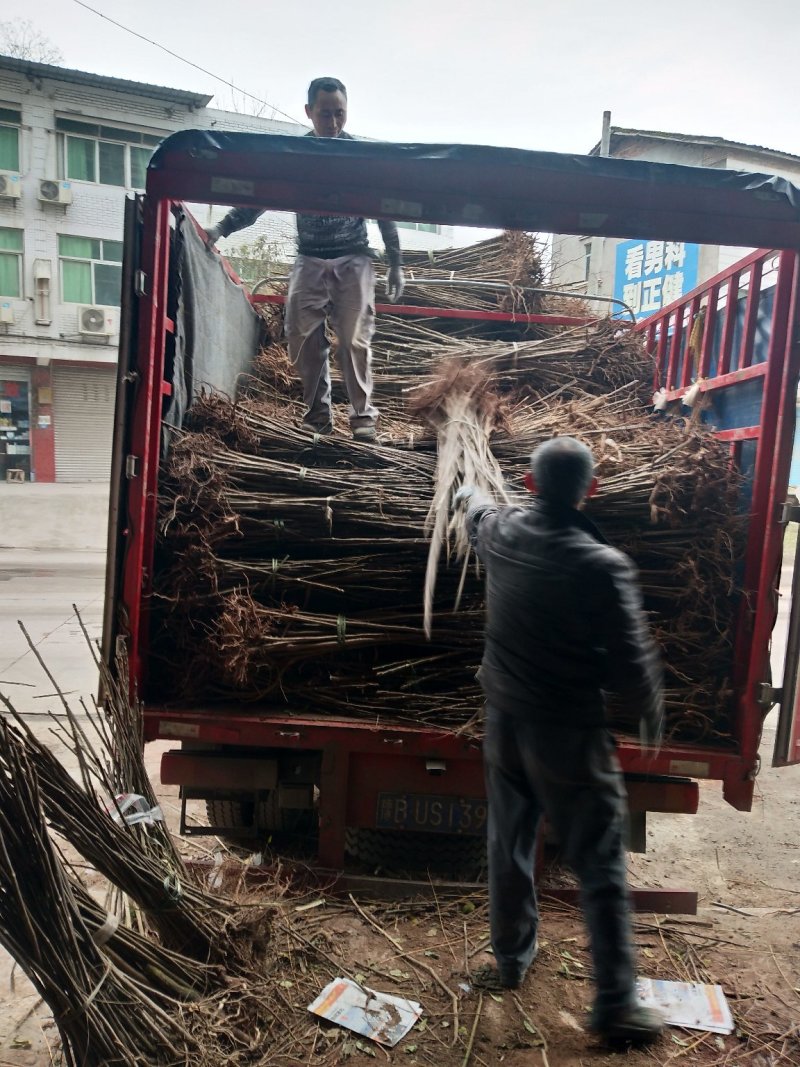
(364, 433)
(633, 1026)
(493, 980)
(321, 428)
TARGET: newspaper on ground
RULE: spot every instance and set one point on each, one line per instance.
(381, 1017)
(690, 1004)
(131, 808)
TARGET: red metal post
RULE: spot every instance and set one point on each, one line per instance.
(751, 314)
(688, 367)
(146, 436)
(650, 338)
(333, 792)
(455, 313)
(709, 326)
(764, 547)
(661, 350)
(675, 348)
(729, 325)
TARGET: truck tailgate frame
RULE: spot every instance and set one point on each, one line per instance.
(467, 186)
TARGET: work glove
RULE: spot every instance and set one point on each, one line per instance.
(463, 497)
(395, 283)
(213, 235)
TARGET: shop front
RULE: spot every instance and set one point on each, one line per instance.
(83, 411)
(15, 424)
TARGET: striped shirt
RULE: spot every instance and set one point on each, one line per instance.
(325, 236)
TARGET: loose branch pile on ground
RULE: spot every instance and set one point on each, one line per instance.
(292, 570)
(177, 977)
(104, 1014)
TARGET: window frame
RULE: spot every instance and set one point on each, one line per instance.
(588, 252)
(93, 262)
(11, 119)
(421, 227)
(19, 253)
(100, 134)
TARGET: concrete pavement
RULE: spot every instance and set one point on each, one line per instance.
(39, 588)
(52, 555)
(54, 516)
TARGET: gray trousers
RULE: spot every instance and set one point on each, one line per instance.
(342, 289)
(571, 775)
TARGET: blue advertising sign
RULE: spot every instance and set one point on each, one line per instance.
(651, 274)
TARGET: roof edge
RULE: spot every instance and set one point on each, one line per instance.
(687, 138)
(33, 71)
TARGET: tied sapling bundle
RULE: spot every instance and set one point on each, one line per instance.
(465, 414)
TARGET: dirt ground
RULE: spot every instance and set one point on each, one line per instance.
(746, 936)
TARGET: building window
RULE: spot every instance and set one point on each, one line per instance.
(107, 155)
(10, 262)
(91, 270)
(587, 260)
(9, 138)
(425, 227)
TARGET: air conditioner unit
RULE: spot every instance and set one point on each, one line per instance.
(53, 192)
(6, 314)
(97, 321)
(10, 185)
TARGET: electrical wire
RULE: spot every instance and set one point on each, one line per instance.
(216, 77)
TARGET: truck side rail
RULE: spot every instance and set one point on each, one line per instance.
(734, 338)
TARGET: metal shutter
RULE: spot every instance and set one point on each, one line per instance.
(83, 409)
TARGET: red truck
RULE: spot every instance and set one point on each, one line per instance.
(355, 776)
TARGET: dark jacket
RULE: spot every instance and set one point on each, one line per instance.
(325, 236)
(564, 619)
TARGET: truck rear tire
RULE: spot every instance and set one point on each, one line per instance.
(454, 855)
(241, 814)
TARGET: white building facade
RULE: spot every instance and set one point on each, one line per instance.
(648, 275)
(73, 147)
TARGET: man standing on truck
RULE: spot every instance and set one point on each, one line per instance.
(333, 274)
(564, 624)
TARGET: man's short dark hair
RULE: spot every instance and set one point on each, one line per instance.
(325, 85)
(563, 469)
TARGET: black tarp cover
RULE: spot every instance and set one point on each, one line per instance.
(217, 333)
(479, 185)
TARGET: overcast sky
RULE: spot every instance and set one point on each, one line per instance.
(526, 73)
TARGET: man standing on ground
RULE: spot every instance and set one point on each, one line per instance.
(564, 624)
(334, 274)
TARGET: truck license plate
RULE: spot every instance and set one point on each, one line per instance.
(423, 811)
